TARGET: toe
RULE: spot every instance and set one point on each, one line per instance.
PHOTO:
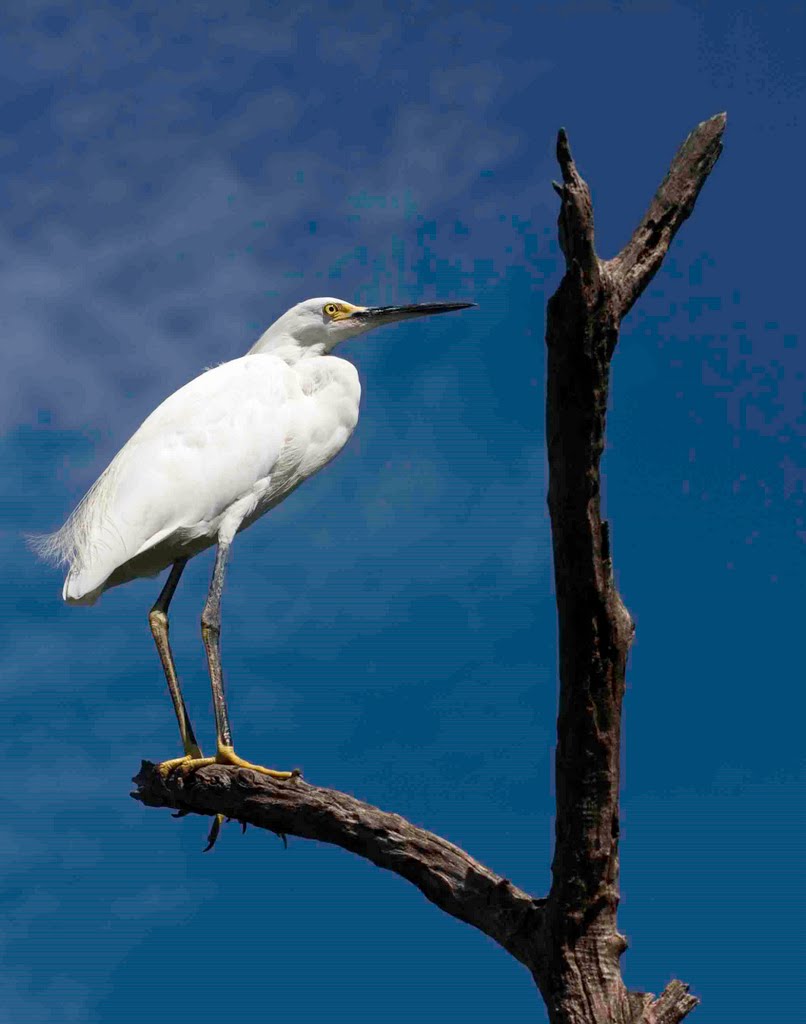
(226, 755)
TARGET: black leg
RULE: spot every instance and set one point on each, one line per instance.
(158, 620)
(211, 634)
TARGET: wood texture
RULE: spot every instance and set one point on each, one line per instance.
(570, 939)
(446, 875)
(582, 982)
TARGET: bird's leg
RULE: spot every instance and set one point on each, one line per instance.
(211, 634)
(158, 620)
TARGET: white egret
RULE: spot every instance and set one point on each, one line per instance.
(208, 462)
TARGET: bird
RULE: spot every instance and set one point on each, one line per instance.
(214, 457)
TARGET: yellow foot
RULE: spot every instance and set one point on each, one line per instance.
(164, 767)
(226, 755)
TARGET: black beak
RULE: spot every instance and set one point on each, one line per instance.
(377, 315)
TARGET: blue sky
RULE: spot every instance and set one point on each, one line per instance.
(171, 182)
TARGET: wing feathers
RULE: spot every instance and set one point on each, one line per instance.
(203, 449)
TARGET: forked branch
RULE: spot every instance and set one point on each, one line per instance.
(581, 980)
(569, 941)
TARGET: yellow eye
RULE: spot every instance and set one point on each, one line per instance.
(331, 309)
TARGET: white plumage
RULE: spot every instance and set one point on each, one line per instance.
(217, 454)
(210, 460)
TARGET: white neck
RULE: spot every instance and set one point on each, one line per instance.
(282, 345)
(294, 354)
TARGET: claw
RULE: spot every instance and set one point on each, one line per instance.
(214, 831)
(241, 823)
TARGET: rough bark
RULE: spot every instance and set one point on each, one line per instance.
(582, 981)
(569, 940)
(445, 874)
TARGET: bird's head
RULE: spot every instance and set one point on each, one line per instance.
(320, 324)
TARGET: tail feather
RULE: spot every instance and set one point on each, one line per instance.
(86, 542)
(55, 548)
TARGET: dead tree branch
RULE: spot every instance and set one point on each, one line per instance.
(446, 875)
(581, 981)
(570, 940)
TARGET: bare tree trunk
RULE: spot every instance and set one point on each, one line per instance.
(569, 940)
(583, 983)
